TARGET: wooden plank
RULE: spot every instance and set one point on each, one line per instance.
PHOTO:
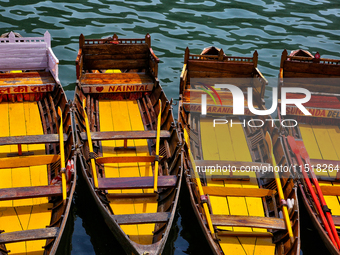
(324, 142)
(27, 81)
(244, 234)
(125, 159)
(17, 124)
(248, 221)
(336, 220)
(31, 139)
(39, 174)
(5, 174)
(310, 141)
(30, 192)
(136, 182)
(142, 218)
(212, 74)
(121, 135)
(28, 235)
(115, 78)
(223, 67)
(115, 64)
(40, 218)
(237, 191)
(113, 49)
(314, 68)
(330, 191)
(217, 177)
(31, 74)
(26, 161)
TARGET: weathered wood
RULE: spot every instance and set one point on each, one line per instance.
(237, 192)
(121, 135)
(114, 49)
(26, 161)
(248, 221)
(30, 192)
(31, 139)
(223, 67)
(336, 220)
(28, 235)
(142, 218)
(125, 159)
(244, 234)
(115, 78)
(131, 195)
(330, 190)
(316, 68)
(115, 64)
(136, 182)
(327, 179)
(216, 177)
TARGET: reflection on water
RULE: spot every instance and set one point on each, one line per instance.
(237, 26)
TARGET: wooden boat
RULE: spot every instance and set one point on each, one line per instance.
(34, 199)
(317, 135)
(117, 78)
(242, 207)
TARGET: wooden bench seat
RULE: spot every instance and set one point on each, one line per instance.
(237, 192)
(30, 192)
(26, 161)
(142, 218)
(248, 221)
(115, 78)
(136, 182)
(126, 159)
(28, 235)
(31, 139)
(121, 135)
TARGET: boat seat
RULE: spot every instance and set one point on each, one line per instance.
(30, 192)
(28, 235)
(248, 221)
(127, 159)
(330, 190)
(243, 234)
(26, 82)
(123, 135)
(142, 218)
(136, 182)
(115, 79)
(237, 192)
(26, 161)
(216, 177)
(31, 139)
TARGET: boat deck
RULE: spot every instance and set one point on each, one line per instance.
(323, 142)
(229, 143)
(23, 118)
(125, 115)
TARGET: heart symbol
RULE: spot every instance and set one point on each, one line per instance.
(99, 89)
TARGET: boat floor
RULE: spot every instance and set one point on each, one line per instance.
(125, 115)
(224, 142)
(23, 214)
(323, 142)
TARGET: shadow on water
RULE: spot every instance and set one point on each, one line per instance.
(92, 236)
(311, 242)
(191, 239)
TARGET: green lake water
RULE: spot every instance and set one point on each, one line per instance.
(239, 27)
